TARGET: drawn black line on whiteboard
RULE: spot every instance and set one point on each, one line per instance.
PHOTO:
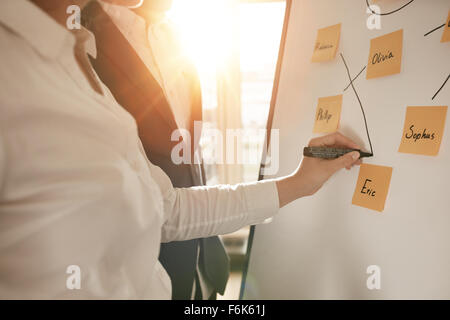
(388, 13)
(355, 78)
(441, 87)
(359, 100)
(437, 28)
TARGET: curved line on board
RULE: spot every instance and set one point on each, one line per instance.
(437, 28)
(387, 13)
(441, 87)
(355, 78)
(359, 100)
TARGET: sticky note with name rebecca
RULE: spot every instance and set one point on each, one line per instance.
(385, 56)
(423, 130)
(372, 186)
(328, 114)
(446, 33)
(327, 42)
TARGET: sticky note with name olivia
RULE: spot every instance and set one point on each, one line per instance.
(372, 186)
(327, 42)
(423, 130)
(385, 56)
(446, 33)
(328, 114)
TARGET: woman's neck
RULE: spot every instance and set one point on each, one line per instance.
(149, 16)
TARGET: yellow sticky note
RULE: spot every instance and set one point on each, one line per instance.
(423, 130)
(327, 42)
(328, 114)
(385, 55)
(372, 186)
(446, 33)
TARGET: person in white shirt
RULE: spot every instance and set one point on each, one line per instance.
(139, 55)
(76, 188)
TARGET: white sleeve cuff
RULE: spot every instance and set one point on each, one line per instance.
(206, 211)
(262, 199)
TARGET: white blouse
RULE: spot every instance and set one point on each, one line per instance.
(75, 185)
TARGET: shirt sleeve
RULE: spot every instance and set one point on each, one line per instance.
(199, 212)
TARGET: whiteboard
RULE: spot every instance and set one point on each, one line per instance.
(319, 247)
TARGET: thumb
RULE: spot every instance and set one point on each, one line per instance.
(345, 161)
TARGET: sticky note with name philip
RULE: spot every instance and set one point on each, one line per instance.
(327, 42)
(423, 130)
(372, 186)
(328, 114)
(446, 33)
(385, 56)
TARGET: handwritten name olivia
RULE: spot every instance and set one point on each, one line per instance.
(380, 57)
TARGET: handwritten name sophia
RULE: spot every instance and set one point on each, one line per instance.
(421, 135)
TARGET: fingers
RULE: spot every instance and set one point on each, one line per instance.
(356, 163)
(346, 161)
(333, 140)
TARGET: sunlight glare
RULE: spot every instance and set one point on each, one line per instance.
(205, 28)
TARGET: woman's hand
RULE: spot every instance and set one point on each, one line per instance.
(312, 173)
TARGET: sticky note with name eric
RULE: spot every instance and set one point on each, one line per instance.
(372, 186)
(446, 33)
(385, 56)
(423, 130)
(327, 42)
(328, 114)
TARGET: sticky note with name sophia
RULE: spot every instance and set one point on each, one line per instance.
(328, 114)
(372, 186)
(385, 56)
(423, 130)
(327, 42)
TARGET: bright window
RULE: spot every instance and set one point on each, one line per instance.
(260, 32)
(234, 45)
(242, 38)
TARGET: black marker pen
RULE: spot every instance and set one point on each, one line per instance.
(331, 153)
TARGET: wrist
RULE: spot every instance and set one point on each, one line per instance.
(289, 189)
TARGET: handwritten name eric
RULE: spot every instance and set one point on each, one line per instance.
(367, 190)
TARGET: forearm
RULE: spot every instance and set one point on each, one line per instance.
(206, 211)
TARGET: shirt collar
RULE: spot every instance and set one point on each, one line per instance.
(132, 25)
(129, 23)
(87, 39)
(40, 30)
